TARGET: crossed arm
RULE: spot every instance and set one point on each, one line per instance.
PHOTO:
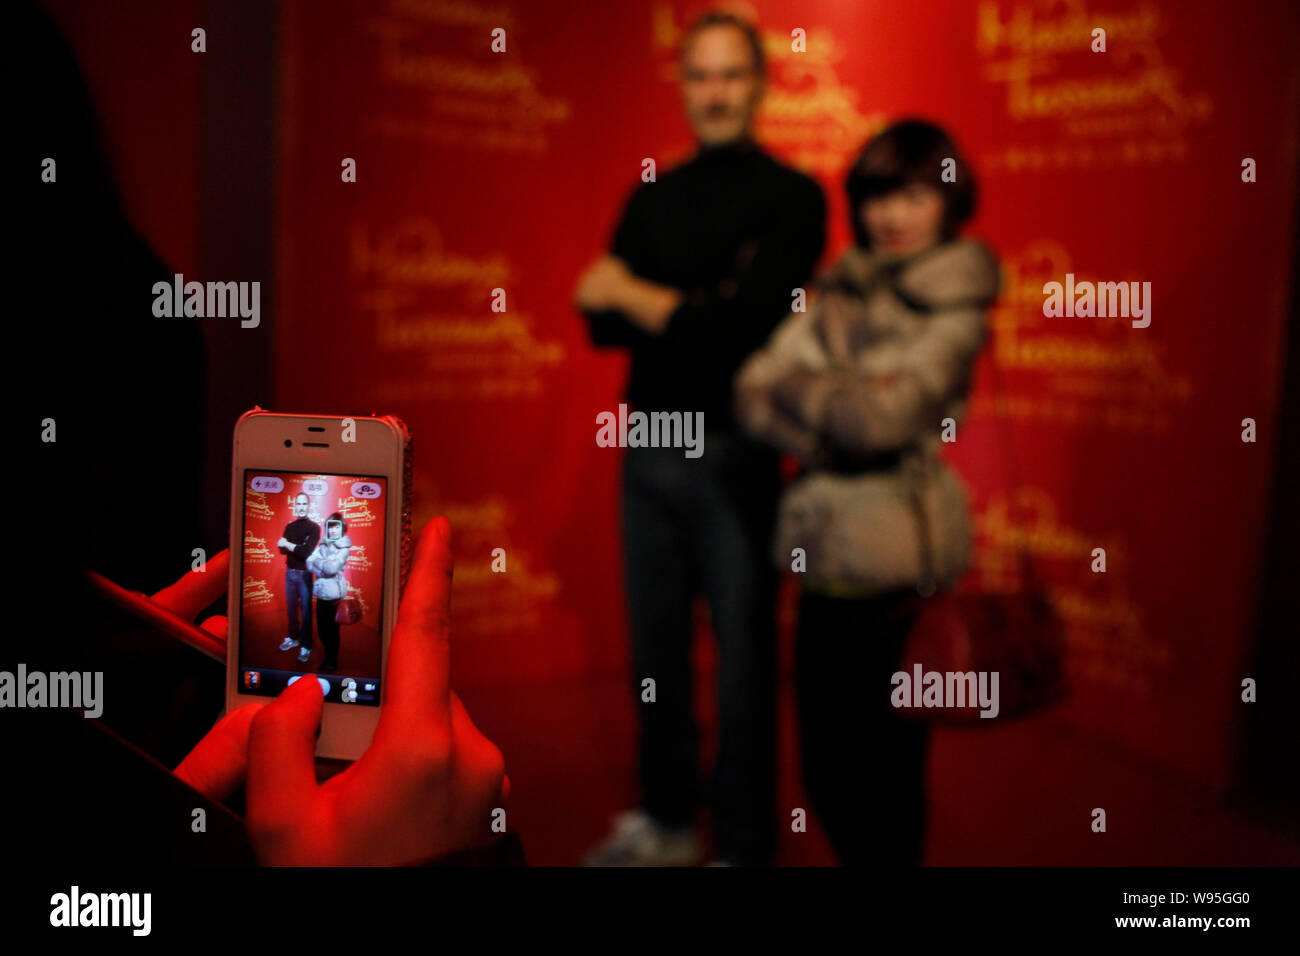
(725, 323)
(802, 398)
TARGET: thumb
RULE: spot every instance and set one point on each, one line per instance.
(216, 765)
(281, 756)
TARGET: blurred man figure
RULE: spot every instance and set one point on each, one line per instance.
(703, 266)
(301, 535)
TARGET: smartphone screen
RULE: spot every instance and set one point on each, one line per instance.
(313, 584)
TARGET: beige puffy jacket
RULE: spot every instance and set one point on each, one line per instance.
(858, 388)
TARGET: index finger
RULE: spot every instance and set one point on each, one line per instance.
(417, 676)
(197, 589)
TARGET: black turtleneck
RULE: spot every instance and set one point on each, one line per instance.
(736, 232)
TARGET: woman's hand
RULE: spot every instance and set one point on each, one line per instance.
(429, 782)
(426, 787)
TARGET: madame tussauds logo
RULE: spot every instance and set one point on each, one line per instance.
(38, 689)
(102, 909)
(651, 430)
(1127, 300)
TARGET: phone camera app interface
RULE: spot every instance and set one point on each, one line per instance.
(313, 584)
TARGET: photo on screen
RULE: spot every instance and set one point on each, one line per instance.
(313, 583)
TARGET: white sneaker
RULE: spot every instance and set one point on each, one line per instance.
(288, 644)
(639, 840)
(304, 655)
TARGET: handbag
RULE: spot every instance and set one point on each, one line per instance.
(348, 611)
(1018, 634)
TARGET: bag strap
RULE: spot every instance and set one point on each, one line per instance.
(1010, 463)
(928, 583)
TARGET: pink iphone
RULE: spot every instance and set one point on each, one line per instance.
(320, 541)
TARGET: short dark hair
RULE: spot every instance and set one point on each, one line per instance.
(337, 516)
(721, 18)
(907, 152)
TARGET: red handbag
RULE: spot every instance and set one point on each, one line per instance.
(1018, 634)
(348, 611)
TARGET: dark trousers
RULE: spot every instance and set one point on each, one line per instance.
(328, 629)
(297, 597)
(863, 763)
(703, 525)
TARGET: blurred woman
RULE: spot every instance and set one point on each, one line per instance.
(327, 563)
(861, 388)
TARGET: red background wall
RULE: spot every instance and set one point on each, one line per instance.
(479, 170)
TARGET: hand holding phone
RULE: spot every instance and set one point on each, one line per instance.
(426, 787)
(428, 784)
(300, 481)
